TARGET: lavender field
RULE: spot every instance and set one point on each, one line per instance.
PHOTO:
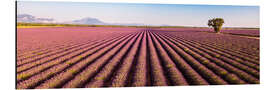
(78, 57)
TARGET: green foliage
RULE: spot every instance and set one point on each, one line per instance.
(40, 53)
(205, 62)
(23, 76)
(216, 23)
(69, 63)
(73, 71)
(223, 72)
(169, 65)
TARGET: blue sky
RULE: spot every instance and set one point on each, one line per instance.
(152, 14)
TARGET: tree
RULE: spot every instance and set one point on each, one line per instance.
(216, 23)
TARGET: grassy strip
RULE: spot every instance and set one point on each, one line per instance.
(36, 26)
(33, 25)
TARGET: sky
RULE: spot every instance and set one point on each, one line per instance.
(150, 14)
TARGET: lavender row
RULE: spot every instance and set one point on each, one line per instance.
(232, 69)
(56, 56)
(207, 74)
(33, 81)
(121, 73)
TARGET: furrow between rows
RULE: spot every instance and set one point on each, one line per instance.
(248, 67)
(140, 78)
(124, 60)
(93, 62)
(46, 50)
(243, 75)
(61, 64)
(190, 74)
(57, 56)
(229, 54)
(175, 76)
(35, 52)
(53, 54)
(232, 52)
(205, 62)
(208, 74)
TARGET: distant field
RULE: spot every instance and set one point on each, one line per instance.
(20, 24)
(85, 25)
(75, 57)
(36, 26)
(250, 32)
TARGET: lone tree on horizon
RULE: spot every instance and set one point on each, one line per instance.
(216, 23)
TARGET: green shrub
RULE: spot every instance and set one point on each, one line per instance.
(216, 23)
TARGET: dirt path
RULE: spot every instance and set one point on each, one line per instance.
(253, 37)
(242, 36)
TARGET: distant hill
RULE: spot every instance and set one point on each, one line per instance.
(32, 19)
(95, 21)
(88, 20)
(27, 18)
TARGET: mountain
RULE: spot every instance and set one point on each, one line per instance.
(127, 24)
(94, 21)
(32, 19)
(88, 20)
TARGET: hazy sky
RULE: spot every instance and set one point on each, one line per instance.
(152, 14)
